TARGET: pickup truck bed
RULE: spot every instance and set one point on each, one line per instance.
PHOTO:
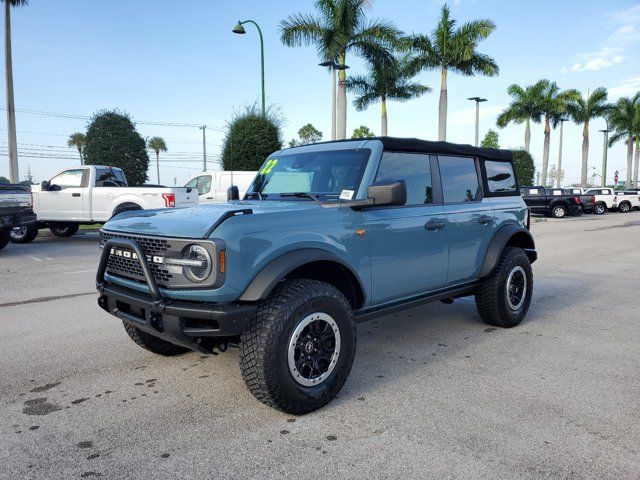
(15, 210)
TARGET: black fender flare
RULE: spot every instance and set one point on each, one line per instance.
(264, 282)
(500, 240)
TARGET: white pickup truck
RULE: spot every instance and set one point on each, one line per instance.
(93, 194)
(610, 199)
(212, 186)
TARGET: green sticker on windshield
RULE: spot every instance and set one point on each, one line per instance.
(268, 166)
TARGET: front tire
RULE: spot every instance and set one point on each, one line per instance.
(599, 208)
(504, 297)
(24, 234)
(297, 352)
(64, 230)
(151, 343)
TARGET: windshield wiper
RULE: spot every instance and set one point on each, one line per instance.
(257, 195)
(301, 195)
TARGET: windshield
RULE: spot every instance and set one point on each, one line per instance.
(311, 175)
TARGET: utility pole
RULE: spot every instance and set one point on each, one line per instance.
(204, 147)
(477, 100)
(14, 174)
(604, 154)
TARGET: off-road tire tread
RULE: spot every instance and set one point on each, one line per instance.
(70, 232)
(151, 343)
(255, 360)
(488, 299)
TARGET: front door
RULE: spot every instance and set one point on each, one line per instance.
(63, 201)
(409, 243)
(470, 218)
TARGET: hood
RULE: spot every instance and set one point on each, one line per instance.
(193, 222)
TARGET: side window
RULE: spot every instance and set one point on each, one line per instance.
(70, 178)
(204, 184)
(459, 179)
(500, 176)
(414, 169)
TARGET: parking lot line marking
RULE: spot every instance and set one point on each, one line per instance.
(45, 299)
(35, 259)
(48, 258)
(79, 271)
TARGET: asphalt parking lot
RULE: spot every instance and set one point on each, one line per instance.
(434, 393)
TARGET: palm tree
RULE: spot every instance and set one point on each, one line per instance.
(524, 107)
(553, 106)
(14, 174)
(636, 153)
(453, 48)
(158, 145)
(582, 110)
(341, 27)
(77, 140)
(623, 121)
(385, 81)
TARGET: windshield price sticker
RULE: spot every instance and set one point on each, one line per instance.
(268, 166)
(346, 194)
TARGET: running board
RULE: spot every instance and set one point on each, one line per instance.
(365, 315)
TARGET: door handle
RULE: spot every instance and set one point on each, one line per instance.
(434, 225)
(484, 219)
(75, 194)
(209, 198)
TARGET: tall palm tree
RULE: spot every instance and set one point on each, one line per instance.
(524, 107)
(453, 48)
(341, 27)
(77, 140)
(14, 174)
(622, 119)
(157, 144)
(582, 110)
(385, 81)
(553, 107)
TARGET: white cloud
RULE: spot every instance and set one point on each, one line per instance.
(628, 87)
(603, 58)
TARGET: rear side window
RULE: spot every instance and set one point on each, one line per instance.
(500, 177)
(459, 179)
(414, 169)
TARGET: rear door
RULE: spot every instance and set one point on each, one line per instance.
(408, 243)
(64, 199)
(470, 217)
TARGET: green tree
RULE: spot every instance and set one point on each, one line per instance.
(524, 107)
(490, 140)
(362, 132)
(340, 28)
(453, 48)
(157, 144)
(582, 110)
(553, 106)
(250, 139)
(386, 80)
(306, 135)
(4, 180)
(8, 68)
(524, 167)
(77, 140)
(112, 139)
(623, 121)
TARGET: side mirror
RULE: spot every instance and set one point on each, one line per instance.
(233, 193)
(45, 185)
(388, 193)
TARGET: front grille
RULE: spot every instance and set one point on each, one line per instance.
(129, 267)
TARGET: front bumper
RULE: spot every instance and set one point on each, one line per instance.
(188, 324)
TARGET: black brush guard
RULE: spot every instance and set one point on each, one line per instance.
(184, 323)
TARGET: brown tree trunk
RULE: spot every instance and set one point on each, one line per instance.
(383, 126)
(545, 151)
(527, 134)
(341, 122)
(442, 107)
(585, 154)
(636, 159)
(629, 160)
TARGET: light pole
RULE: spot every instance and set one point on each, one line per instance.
(333, 66)
(559, 172)
(204, 147)
(605, 150)
(239, 29)
(477, 100)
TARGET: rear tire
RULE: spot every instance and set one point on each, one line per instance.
(64, 230)
(559, 211)
(151, 343)
(624, 207)
(297, 352)
(24, 234)
(5, 237)
(504, 297)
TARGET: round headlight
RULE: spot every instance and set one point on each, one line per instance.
(200, 263)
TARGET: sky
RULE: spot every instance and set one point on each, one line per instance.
(179, 62)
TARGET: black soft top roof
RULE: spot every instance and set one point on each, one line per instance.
(396, 144)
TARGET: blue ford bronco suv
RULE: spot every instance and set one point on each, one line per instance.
(327, 235)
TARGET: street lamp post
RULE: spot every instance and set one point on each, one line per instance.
(605, 150)
(477, 100)
(239, 29)
(333, 66)
(559, 172)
